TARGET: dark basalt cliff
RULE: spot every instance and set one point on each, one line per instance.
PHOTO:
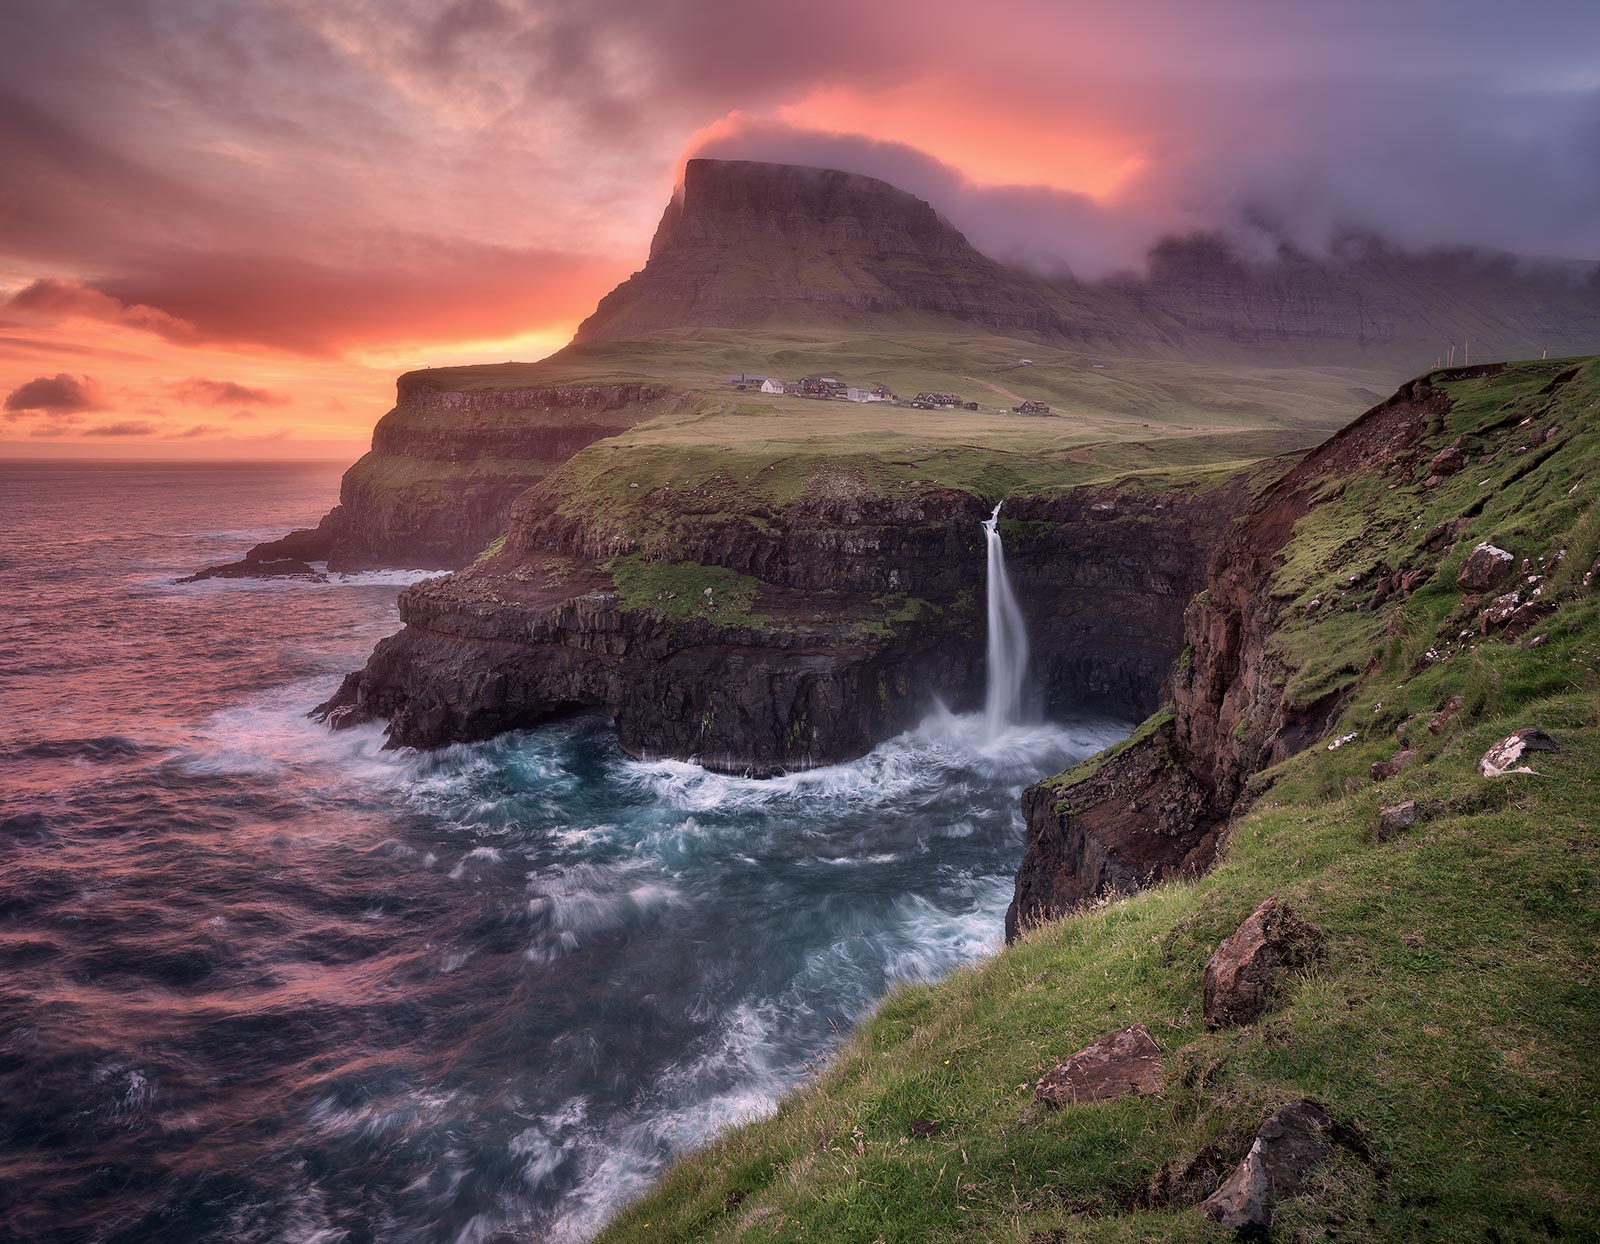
(862, 607)
(1157, 806)
(447, 462)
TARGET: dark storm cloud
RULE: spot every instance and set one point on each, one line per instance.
(55, 394)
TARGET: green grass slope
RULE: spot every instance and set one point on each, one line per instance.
(1449, 1024)
(753, 454)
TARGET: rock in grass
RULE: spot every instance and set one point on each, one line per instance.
(1500, 609)
(1441, 719)
(1126, 1061)
(1447, 462)
(1505, 756)
(1288, 1147)
(1399, 817)
(1245, 971)
(1527, 616)
(1383, 770)
(1485, 568)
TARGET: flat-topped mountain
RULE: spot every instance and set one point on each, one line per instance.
(746, 245)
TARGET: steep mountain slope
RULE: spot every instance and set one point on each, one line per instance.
(1354, 660)
(744, 244)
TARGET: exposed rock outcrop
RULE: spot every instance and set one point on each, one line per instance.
(1291, 1144)
(277, 568)
(1248, 968)
(1126, 1061)
(1136, 818)
(446, 464)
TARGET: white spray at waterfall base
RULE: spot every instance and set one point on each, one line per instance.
(1008, 640)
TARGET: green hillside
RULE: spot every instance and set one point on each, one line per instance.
(1448, 1025)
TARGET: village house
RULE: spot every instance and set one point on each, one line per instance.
(821, 386)
(745, 380)
(875, 394)
(937, 401)
(1031, 408)
(773, 385)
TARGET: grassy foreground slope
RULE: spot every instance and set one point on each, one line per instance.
(1450, 1022)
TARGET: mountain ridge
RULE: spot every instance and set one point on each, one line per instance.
(747, 244)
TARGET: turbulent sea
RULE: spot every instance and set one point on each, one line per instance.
(260, 982)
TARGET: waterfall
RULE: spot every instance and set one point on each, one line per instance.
(1008, 640)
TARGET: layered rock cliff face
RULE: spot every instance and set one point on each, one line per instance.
(836, 620)
(1269, 662)
(447, 462)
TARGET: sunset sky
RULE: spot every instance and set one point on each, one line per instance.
(225, 225)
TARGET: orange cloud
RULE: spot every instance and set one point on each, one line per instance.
(993, 141)
(53, 301)
(56, 395)
(198, 391)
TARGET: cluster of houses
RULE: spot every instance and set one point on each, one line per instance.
(812, 386)
(827, 388)
(941, 401)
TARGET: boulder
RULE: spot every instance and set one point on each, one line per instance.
(1288, 1147)
(1442, 718)
(1401, 816)
(1126, 1061)
(1526, 616)
(1505, 756)
(1413, 579)
(1500, 609)
(1485, 569)
(1447, 462)
(1245, 971)
(1383, 770)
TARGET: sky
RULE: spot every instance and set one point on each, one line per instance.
(226, 225)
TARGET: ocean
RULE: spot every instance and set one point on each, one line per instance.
(264, 982)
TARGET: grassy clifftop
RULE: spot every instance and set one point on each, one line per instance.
(753, 454)
(1448, 1025)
